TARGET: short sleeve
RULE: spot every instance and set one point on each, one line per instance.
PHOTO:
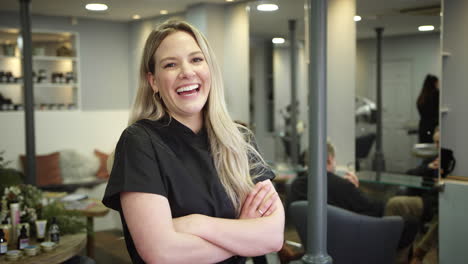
(136, 167)
(259, 171)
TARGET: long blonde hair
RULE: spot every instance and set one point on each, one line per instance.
(230, 147)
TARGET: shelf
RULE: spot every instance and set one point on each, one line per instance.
(53, 58)
(42, 85)
(8, 57)
(42, 58)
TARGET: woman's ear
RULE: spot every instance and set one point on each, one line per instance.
(152, 81)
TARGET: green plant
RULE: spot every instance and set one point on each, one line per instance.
(3, 163)
(70, 222)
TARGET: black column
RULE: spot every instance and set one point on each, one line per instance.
(378, 163)
(316, 251)
(294, 107)
(25, 15)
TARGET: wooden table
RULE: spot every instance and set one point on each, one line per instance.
(69, 246)
(94, 209)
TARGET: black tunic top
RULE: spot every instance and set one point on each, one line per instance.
(167, 158)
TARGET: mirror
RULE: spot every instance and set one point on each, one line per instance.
(408, 56)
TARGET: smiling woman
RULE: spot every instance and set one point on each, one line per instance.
(182, 78)
(188, 182)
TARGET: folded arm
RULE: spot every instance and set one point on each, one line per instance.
(245, 237)
(148, 217)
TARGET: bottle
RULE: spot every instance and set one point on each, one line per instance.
(23, 239)
(15, 219)
(6, 228)
(54, 231)
(3, 243)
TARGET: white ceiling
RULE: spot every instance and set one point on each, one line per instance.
(375, 13)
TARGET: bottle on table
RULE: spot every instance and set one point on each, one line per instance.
(23, 239)
(3, 243)
(6, 228)
(54, 231)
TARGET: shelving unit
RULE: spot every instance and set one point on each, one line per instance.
(55, 62)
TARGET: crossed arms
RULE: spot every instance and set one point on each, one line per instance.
(198, 238)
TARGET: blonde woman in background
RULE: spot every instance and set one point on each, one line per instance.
(188, 182)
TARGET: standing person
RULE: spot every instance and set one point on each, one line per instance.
(428, 108)
(188, 182)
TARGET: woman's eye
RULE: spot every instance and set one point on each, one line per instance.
(169, 65)
(197, 59)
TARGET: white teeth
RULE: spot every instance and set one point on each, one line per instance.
(188, 88)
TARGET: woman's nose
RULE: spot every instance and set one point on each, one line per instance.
(186, 71)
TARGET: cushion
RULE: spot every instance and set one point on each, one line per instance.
(77, 168)
(47, 169)
(102, 172)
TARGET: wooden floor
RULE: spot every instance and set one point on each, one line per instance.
(110, 248)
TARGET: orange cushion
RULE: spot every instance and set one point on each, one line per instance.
(102, 172)
(47, 169)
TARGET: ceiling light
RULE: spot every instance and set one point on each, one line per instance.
(426, 28)
(278, 40)
(357, 18)
(229, 0)
(267, 5)
(163, 12)
(96, 7)
(136, 16)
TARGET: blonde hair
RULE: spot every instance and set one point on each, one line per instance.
(230, 147)
(330, 149)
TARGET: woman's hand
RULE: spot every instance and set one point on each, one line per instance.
(260, 201)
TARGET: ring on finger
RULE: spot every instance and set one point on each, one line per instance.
(260, 211)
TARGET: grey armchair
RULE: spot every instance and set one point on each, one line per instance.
(353, 238)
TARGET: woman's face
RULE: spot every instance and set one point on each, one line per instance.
(182, 76)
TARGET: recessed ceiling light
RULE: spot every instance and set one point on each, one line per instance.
(357, 18)
(136, 16)
(229, 0)
(163, 12)
(426, 28)
(278, 40)
(268, 7)
(96, 7)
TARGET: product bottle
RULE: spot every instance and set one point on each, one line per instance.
(54, 231)
(23, 239)
(6, 228)
(15, 219)
(3, 243)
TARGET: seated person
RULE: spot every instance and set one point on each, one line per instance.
(344, 192)
(429, 167)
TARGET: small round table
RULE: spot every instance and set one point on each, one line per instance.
(69, 246)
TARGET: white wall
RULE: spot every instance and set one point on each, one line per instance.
(82, 131)
(341, 70)
(454, 82)
(236, 61)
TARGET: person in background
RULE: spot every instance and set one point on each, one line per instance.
(428, 108)
(187, 181)
(344, 192)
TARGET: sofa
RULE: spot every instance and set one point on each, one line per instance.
(74, 172)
